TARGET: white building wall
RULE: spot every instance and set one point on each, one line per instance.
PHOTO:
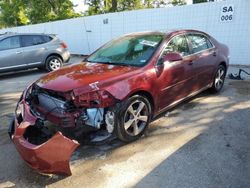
(84, 35)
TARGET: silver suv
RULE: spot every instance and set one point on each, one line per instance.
(24, 51)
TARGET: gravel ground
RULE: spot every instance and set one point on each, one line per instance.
(203, 142)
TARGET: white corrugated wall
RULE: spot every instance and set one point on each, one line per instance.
(84, 35)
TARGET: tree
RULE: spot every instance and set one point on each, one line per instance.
(95, 7)
(199, 1)
(178, 2)
(148, 3)
(22, 12)
(129, 5)
(105, 6)
(49, 10)
(110, 5)
(12, 13)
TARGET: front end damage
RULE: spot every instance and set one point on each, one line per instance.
(48, 147)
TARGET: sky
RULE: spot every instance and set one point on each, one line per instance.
(81, 7)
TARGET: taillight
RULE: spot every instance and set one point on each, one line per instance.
(64, 45)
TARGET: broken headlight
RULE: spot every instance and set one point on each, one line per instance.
(100, 99)
(19, 109)
(19, 112)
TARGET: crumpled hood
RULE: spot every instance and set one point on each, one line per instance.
(83, 75)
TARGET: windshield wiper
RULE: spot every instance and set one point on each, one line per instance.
(110, 63)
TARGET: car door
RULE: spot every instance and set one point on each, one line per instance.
(10, 53)
(176, 78)
(204, 58)
(33, 49)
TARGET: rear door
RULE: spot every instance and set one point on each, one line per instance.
(10, 53)
(176, 79)
(34, 49)
(204, 58)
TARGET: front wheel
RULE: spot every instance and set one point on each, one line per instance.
(219, 79)
(133, 118)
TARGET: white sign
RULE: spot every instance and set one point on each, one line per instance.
(227, 13)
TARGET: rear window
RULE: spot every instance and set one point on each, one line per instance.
(199, 42)
(47, 38)
(31, 40)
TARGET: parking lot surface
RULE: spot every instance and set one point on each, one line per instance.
(204, 142)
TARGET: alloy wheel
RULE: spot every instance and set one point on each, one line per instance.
(219, 79)
(54, 64)
(136, 118)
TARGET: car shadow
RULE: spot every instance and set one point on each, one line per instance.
(22, 73)
(217, 157)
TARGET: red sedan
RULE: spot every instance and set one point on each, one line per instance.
(118, 89)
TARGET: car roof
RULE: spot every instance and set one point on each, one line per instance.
(7, 34)
(166, 32)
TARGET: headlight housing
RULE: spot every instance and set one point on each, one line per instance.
(19, 112)
(100, 99)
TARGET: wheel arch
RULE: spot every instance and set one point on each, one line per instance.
(223, 63)
(146, 94)
(53, 54)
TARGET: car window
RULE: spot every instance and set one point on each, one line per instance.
(119, 48)
(46, 38)
(199, 42)
(128, 50)
(179, 45)
(31, 40)
(10, 43)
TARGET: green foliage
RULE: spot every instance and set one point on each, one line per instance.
(105, 6)
(110, 5)
(199, 1)
(12, 13)
(178, 2)
(49, 10)
(94, 7)
(129, 5)
(21, 12)
(148, 3)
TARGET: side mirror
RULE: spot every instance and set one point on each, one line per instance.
(171, 57)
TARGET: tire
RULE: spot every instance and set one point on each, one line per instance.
(219, 79)
(53, 63)
(131, 125)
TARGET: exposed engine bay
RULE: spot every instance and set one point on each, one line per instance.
(48, 124)
(71, 120)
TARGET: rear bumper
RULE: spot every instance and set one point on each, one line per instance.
(52, 156)
(66, 56)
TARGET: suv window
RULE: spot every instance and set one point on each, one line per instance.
(10, 43)
(46, 38)
(199, 42)
(177, 44)
(31, 40)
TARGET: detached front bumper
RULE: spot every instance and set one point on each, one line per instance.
(52, 156)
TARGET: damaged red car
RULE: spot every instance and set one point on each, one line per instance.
(118, 89)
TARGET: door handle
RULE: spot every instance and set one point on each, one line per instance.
(18, 52)
(190, 63)
(214, 53)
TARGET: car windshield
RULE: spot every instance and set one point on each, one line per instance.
(128, 50)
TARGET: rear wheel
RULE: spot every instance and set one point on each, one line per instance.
(53, 63)
(133, 118)
(219, 79)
